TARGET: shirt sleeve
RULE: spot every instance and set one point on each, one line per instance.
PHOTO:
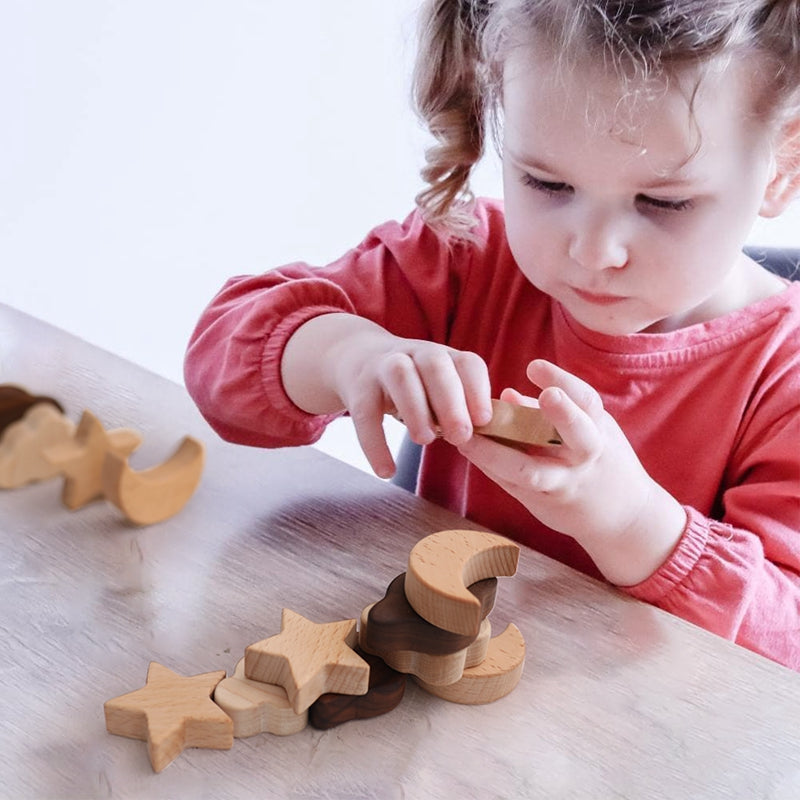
(739, 576)
(403, 276)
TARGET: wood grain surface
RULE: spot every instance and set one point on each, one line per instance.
(617, 699)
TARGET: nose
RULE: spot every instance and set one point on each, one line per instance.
(598, 242)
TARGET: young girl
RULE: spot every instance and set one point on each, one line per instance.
(640, 140)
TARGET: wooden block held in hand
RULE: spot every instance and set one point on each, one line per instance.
(308, 660)
(442, 565)
(171, 712)
(257, 707)
(515, 425)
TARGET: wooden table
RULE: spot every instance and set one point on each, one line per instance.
(618, 700)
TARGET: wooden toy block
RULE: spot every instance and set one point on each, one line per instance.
(157, 493)
(308, 660)
(442, 565)
(171, 712)
(24, 442)
(394, 625)
(257, 707)
(519, 425)
(437, 670)
(82, 459)
(15, 402)
(386, 689)
(493, 678)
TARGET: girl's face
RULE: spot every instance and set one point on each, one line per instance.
(610, 210)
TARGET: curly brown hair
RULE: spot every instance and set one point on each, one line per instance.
(463, 45)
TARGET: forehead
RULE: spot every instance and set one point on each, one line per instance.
(670, 121)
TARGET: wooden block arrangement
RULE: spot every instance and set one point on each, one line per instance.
(327, 674)
(38, 442)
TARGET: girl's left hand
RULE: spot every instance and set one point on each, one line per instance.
(593, 487)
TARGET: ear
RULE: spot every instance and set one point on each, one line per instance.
(785, 183)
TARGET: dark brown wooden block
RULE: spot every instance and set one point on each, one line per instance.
(15, 401)
(386, 689)
(394, 625)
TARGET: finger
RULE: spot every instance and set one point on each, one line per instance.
(474, 375)
(580, 435)
(545, 374)
(367, 418)
(405, 390)
(518, 399)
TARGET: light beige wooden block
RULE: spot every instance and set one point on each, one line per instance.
(23, 444)
(437, 670)
(515, 424)
(171, 712)
(81, 460)
(495, 677)
(157, 493)
(309, 659)
(257, 707)
(442, 565)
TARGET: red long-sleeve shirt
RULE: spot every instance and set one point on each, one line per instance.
(712, 410)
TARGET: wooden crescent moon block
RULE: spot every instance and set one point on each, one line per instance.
(515, 424)
(442, 565)
(495, 677)
(308, 660)
(171, 712)
(257, 707)
(438, 670)
(386, 690)
(24, 442)
(154, 494)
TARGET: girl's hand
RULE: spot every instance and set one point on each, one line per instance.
(593, 487)
(341, 361)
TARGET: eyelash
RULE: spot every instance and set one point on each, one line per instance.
(555, 189)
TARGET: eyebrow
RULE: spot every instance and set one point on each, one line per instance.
(675, 180)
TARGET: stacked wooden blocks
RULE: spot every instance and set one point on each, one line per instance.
(38, 442)
(431, 624)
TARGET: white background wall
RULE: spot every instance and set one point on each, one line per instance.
(149, 149)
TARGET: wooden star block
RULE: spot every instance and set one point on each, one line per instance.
(309, 659)
(495, 677)
(25, 441)
(442, 565)
(519, 425)
(171, 712)
(257, 707)
(436, 670)
(386, 689)
(81, 460)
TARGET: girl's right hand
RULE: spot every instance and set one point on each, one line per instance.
(342, 361)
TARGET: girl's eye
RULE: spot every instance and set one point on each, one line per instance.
(665, 205)
(550, 188)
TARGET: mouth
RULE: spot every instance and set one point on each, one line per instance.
(598, 298)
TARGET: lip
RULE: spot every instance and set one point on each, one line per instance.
(598, 298)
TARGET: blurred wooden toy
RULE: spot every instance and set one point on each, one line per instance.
(394, 625)
(515, 425)
(15, 402)
(308, 660)
(386, 689)
(154, 494)
(171, 712)
(257, 707)
(81, 460)
(437, 670)
(24, 441)
(493, 678)
(442, 565)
